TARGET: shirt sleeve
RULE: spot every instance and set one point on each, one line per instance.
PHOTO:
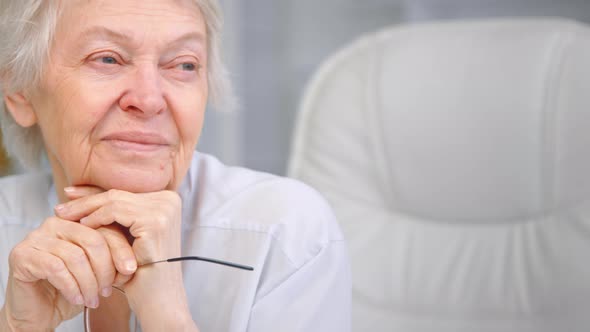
(316, 297)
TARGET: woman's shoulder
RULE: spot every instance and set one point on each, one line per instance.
(24, 196)
(234, 197)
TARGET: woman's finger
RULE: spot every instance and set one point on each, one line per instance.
(81, 207)
(121, 280)
(154, 213)
(120, 248)
(31, 265)
(82, 191)
(123, 214)
(76, 262)
(96, 249)
(153, 219)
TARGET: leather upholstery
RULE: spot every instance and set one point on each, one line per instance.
(457, 157)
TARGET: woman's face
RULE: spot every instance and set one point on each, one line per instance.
(122, 100)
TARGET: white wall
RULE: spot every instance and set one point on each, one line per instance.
(274, 47)
(279, 45)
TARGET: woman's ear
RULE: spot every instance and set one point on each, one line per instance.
(21, 109)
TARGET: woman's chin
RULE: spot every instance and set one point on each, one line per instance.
(135, 180)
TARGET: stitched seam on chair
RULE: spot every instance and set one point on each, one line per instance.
(401, 311)
(469, 224)
(313, 91)
(376, 134)
(549, 122)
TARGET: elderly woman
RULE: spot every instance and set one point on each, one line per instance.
(113, 94)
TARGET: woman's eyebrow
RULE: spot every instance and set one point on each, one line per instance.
(122, 37)
(105, 33)
(189, 37)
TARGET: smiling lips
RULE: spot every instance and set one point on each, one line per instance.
(137, 141)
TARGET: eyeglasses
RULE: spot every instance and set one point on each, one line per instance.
(170, 260)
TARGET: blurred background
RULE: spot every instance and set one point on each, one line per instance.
(519, 260)
(273, 47)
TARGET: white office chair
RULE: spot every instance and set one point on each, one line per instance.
(457, 158)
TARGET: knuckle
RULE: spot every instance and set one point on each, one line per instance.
(160, 222)
(77, 257)
(115, 210)
(107, 275)
(119, 245)
(173, 197)
(36, 236)
(121, 279)
(95, 241)
(108, 234)
(172, 203)
(50, 223)
(113, 207)
(69, 290)
(169, 209)
(56, 266)
(112, 194)
(65, 286)
(33, 235)
(17, 254)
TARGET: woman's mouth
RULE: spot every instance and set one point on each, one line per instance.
(135, 141)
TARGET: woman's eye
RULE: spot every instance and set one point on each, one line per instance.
(187, 66)
(109, 60)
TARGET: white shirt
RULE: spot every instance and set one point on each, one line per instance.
(281, 227)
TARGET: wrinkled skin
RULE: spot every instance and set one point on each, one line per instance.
(120, 106)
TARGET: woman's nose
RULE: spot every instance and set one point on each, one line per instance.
(144, 95)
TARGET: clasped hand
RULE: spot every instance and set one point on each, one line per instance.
(65, 264)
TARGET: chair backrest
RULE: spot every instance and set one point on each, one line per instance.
(456, 156)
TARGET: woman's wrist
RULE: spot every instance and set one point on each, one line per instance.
(158, 298)
(4, 323)
(167, 311)
(158, 318)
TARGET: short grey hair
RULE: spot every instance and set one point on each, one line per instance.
(27, 28)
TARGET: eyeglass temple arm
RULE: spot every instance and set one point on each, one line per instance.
(197, 258)
(171, 260)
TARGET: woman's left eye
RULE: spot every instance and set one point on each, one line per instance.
(187, 66)
(108, 60)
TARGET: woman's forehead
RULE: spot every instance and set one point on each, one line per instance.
(133, 20)
(163, 3)
(183, 10)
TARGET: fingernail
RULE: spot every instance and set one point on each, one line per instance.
(69, 189)
(130, 265)
(79, 300)
(106, 292)
(92, 303)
